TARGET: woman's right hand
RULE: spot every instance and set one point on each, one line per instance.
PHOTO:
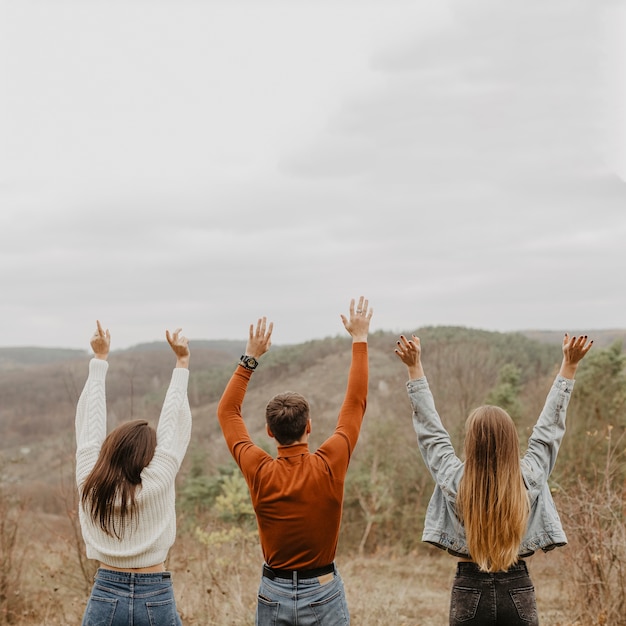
(574, 349)
(180, 345)
(101, 342)
(409, 351)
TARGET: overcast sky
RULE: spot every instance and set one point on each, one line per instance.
(200, 164)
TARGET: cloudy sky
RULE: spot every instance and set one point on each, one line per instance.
(173, 163)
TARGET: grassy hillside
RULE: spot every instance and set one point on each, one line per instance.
(40, 389)
(39, 400)
(387, 487)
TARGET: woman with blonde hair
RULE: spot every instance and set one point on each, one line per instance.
(127, 500)
(494, 509)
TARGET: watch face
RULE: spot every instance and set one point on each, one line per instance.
(249, 362)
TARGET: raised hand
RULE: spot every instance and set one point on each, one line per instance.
(409, 351)
(574, 349)
(358, 323)
(101, 342)
(180, 345)
(259, 338)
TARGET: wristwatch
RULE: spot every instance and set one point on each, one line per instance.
(249, 362)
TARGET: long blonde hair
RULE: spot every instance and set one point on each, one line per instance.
(492, 501)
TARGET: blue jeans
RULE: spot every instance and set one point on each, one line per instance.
(306, 602)
(490, 599)
(130, 599)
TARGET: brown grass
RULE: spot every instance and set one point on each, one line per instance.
(216, 584)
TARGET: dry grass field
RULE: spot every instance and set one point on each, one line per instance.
(216, 584)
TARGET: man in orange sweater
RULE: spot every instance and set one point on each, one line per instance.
(298, 496)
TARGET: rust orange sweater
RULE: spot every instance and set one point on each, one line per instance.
(297, 496)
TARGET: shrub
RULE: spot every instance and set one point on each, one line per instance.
(594, 512)
(11, 553)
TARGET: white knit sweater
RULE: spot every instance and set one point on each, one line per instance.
(149, 542)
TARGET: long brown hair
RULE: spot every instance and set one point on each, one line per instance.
(111, 484)
(492, 501)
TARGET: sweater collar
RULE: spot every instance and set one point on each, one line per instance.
(296, 449)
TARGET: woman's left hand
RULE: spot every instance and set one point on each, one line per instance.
(101, 342)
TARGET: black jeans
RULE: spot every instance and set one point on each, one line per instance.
(490, 599)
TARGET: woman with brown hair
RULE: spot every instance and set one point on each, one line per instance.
(127, 499)
(494, 509)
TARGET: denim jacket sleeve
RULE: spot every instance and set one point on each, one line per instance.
(433, 439)
(546, 437)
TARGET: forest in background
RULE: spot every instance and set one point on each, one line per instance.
(387, 487)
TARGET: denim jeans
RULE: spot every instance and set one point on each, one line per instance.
(306, 602)
(130, 599)
(490, 599)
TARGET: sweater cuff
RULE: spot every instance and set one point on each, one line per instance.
(359, 347)
(180, 377)
(98, 368)
(244, 371)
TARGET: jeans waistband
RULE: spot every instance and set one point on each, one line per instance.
(296, 575)
(137, 577)
(468, 567)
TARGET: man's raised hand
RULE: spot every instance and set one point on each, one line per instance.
(259, 338)
(358, 323)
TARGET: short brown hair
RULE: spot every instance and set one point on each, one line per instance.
(286, 415)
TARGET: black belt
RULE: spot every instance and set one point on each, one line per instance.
(271, 573)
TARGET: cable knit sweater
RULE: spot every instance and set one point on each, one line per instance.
(149, 542)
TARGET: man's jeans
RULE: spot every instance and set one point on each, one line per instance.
(122, 598)
(307, 602)
(493, 599)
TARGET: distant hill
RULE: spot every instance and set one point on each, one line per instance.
(39, 387)
(25, 356)
(223, 345)
(19, 357)
(601, 338)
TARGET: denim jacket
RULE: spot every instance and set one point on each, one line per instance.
(442, 526)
